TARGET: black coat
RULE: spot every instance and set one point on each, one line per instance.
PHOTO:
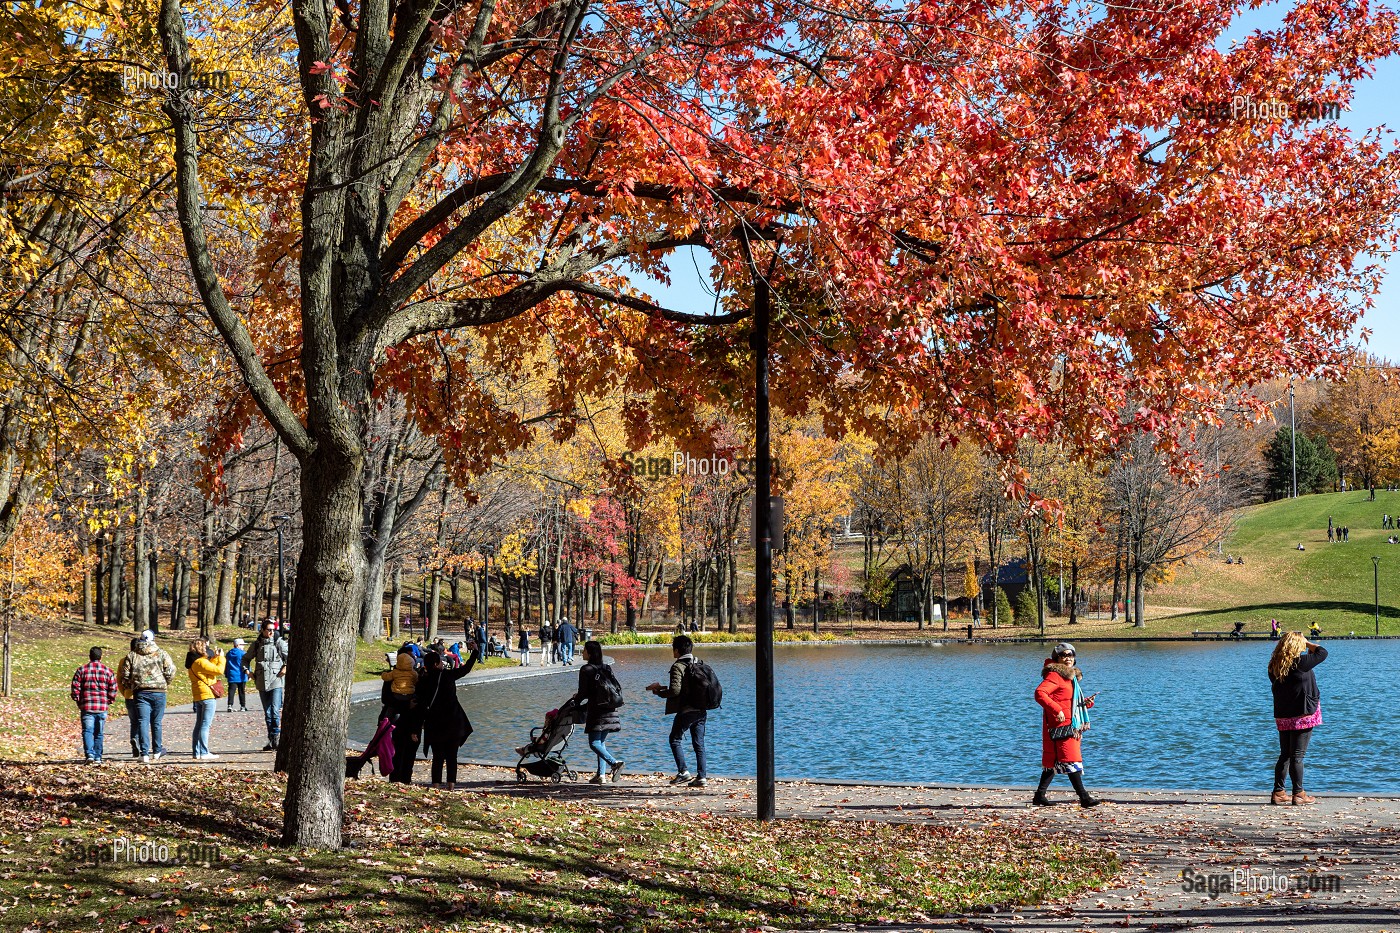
(599, 719)
(1297, 694)
(445, 723)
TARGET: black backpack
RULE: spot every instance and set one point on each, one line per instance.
(700, 687)
(607, 692)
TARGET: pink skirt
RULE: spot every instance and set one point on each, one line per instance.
(1301, 722)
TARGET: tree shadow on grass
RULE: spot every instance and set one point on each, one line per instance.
(1317, 605)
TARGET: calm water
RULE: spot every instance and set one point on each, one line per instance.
(1167, 715)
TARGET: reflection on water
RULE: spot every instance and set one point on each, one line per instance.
(1174, 715)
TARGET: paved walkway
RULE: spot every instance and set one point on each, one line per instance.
(1349, 847)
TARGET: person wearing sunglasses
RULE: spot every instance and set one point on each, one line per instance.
(1064, 720)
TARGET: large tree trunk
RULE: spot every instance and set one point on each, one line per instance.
(1138, 620)
(325, 612)
(141, 567)
(89, 614)
(395, 602)
(434, 598)
(99, 600)
(153, 587)
(223, 612)
(179, 591)
(114, 577)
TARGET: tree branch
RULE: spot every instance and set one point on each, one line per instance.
(178, 107)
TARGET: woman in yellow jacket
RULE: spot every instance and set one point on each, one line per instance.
(204, 674)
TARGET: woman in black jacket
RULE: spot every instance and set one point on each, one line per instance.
(1297, 709)
(445, 723)
(596, 682)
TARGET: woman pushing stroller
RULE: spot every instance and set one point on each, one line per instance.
(601, 696)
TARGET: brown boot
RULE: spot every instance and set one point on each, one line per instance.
(1280, 797)
(1301, 797)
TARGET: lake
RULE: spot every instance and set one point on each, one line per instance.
(1168, 715)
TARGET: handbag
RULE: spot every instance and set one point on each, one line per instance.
(217, 688)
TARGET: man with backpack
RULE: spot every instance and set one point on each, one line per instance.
(693, 690)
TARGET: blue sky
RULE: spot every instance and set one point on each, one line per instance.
(1376, 103)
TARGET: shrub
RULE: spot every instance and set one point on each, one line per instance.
(1003, 608)
(1025, 608)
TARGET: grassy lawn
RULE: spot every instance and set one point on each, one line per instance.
(429, 860)
(44, 661)
(1331, 583)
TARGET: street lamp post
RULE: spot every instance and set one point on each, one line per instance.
(763, 555)
(1376, 567)
(1293, 439)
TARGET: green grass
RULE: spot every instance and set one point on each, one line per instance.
(428, 860)
(1331, 583)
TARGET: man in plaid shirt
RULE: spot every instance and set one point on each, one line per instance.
(94, 689)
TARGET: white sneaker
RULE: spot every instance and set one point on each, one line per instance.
(210, 757)
(145, 759)
(157, 756)
(685, 777)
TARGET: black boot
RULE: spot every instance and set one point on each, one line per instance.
(1085, 800)
(1040, 800)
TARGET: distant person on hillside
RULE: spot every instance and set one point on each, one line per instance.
(1273, 629)
(1300, 546)
(149, 671)
(94, 688)
(1329, 533)
(1346, 532)
(1065, 719)
(1297, 710)
(236, 676)
(1315, 630)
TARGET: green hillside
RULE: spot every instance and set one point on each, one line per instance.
(1329, 582)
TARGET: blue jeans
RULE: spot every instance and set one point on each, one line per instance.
(203, 719)
(150, 716)
(598, 742)
(133, 723)
(693, 720)
(568, 652)
(93, 724)
(272, 712)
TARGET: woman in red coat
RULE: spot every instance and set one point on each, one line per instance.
(1065, 719)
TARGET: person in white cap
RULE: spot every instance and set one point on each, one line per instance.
(148, 672)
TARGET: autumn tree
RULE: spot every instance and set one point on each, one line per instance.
(1012, 224)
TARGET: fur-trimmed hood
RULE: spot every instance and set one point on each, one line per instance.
(1067, 671)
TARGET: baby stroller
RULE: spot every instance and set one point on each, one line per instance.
(544, 755)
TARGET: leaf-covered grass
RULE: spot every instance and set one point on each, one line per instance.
(429, 860)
